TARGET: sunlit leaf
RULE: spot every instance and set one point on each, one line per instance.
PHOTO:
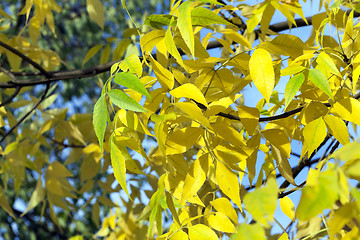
(122, 100)
(129, 80)
(262, 72)
(100, 114)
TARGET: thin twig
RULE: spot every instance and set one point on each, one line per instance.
(12, 96)
(42, 98)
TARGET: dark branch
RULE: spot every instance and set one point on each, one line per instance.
(42, 98)
(25, 58)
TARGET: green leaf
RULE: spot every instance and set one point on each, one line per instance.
(122, 100)
(158, 20)
(185, 25)
(100, 115)
(203, 17)
(319, 80)
(292, 87)
(129, 80)
(118, 164)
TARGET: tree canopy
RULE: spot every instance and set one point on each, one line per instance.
(119, 124)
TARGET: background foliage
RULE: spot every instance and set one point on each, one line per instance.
(117, 124)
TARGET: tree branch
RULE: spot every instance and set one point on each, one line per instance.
(42, 98)
(25, 58)
(63, 75)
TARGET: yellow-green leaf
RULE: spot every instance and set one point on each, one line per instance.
(318, 196)
(132, 64)
(185, 26)
(262, 202)
(118, 164)
(91, 53)
(314, 133)
(203, 17)
(96, 12)
(319, 80)
(262, 72)
(100, 115)
(292, 87)
(36, 197)
(250, 232)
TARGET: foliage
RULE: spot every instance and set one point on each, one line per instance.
(190, 159)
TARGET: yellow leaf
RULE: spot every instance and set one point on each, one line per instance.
(341, 217)
(171, 47)
(249, 118)
(236, 37)
(189, 90)
(118, 164)
(96, 12)
(279, 139)
(224, 206)
(285, 44)
(287, 207)
(194, 113)
(356, 72)
(132, 64)
(163, 75)
(262, 72)
(283, 165)
(34, 29)
(182, 140)
(229, 134)
(179, 235)
(314, 133)
(4, 204)
(348, 109)
(220, 105)
(284, 11)
(195, 177)
(104, 57)
(201, 232)
(91, 53)
(185, 26)
(313, 111)
(150, 39)
(220, 222)
(337, 128)
(228, 183)
(36, 197)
